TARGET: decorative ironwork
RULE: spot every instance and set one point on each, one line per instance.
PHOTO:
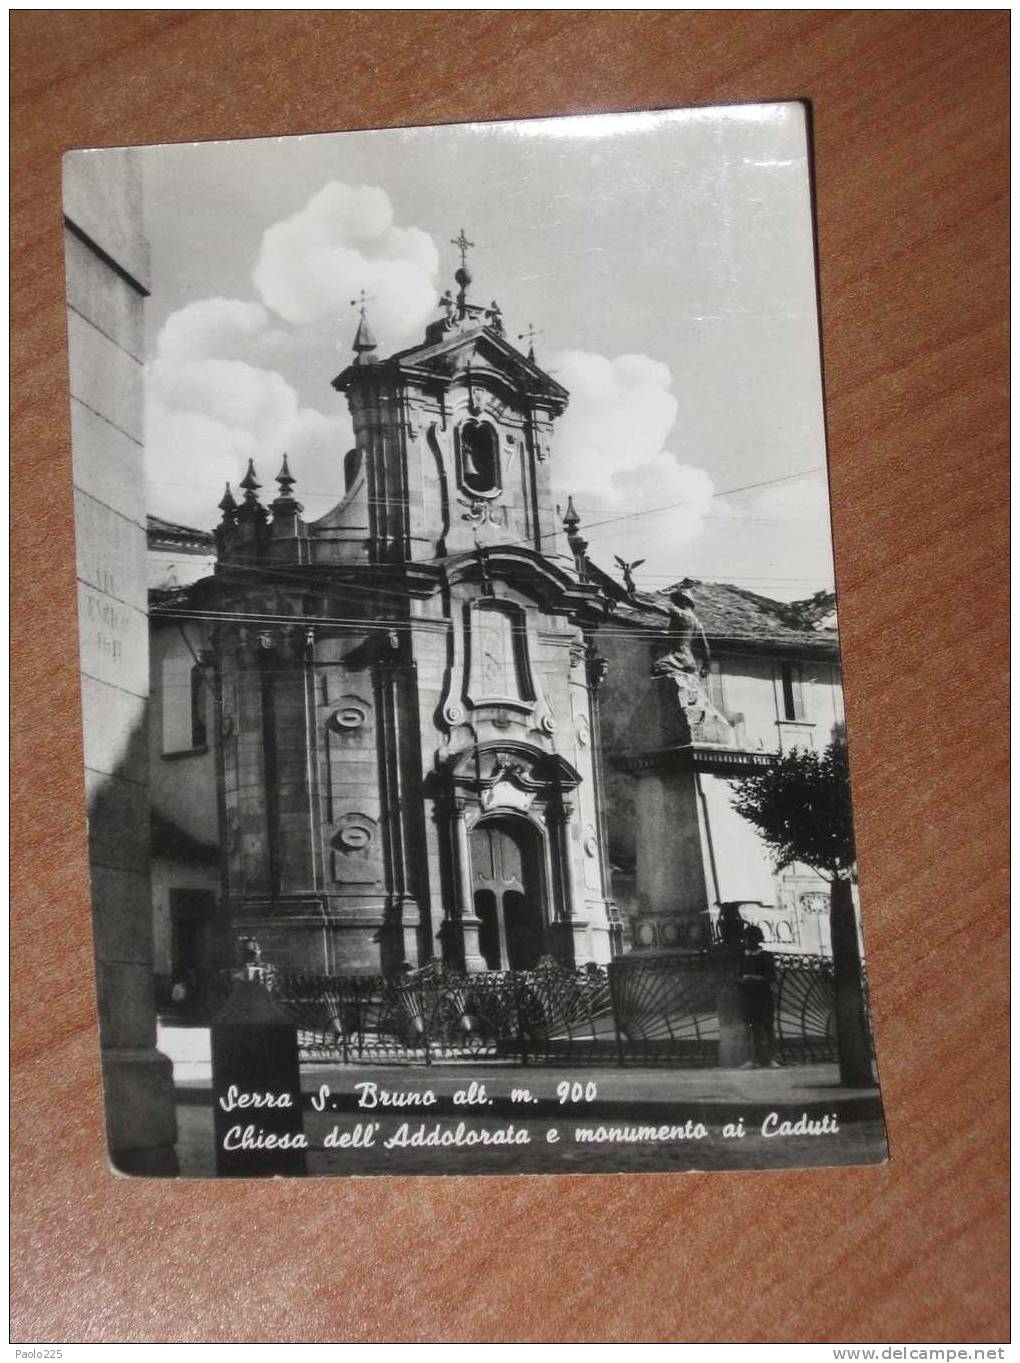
(639, 1009)
(805, 1008)
(666, 1007)
(440, 1014)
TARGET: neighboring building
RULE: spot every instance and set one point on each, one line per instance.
(396, 711)
(178, 554)
(191, 931)
(107, 265)
(678, 848)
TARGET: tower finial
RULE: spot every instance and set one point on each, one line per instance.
(285, 479)
(578, 544)
(251, 508)
(364, 338)
(286, 507)
(226, 504)
(463, 275)
(228, 521)
(461, 242)
(250, 483)
(529, 336)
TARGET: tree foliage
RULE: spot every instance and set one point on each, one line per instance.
(801, 807)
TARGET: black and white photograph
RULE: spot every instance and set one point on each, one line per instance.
(464, 737)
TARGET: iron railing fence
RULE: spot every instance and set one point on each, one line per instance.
(638, 1010)
(805, 1009)
(440, 1014)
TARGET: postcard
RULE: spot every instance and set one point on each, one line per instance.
(464, 737)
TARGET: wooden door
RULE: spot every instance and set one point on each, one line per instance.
(507, 895)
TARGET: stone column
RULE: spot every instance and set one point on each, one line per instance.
(565, 824)
(467, 921)
(107, 264)
(566, 926)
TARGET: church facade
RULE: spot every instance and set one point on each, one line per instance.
(427, 726)
(404, 710)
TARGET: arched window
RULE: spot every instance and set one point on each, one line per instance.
(479, 458)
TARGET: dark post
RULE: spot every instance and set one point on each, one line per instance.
(520, 1004)
(734, 1041)
(612, 972)
(256, 1085)
(851, 1024)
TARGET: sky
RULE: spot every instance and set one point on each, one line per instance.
(664, 260)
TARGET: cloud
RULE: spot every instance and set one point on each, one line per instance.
(225, 382)
(317, 445)
(228, 391)
(788, 525)
(619, 415)
(312, 264)
(774, 540)
(208, 412)
(223, 328)
(188, 458)
(609, 452)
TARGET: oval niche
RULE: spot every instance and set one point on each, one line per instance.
(354, 833)
(350, 714)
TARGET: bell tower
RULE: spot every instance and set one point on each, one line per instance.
(454, 435)
(409, 684)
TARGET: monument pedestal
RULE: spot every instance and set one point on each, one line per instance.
(673, 910)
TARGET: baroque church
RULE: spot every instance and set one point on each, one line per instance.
(428, 726)
(405, 746)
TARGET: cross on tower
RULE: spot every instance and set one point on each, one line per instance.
(461, 242)
(529, 336)
(361, 300)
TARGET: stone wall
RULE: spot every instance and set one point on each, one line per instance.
(106, 263)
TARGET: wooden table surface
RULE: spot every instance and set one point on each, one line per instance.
(911, 164)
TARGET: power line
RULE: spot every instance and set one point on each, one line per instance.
(303, 573)
(382, 624)
(723, 492)
(590, 525)
(708, 579)
(240, 576)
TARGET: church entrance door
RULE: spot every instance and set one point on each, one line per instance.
(507, 878)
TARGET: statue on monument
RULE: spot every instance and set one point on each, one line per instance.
(685, 634)
(687, 665)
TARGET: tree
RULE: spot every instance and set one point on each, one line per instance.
(801, 807)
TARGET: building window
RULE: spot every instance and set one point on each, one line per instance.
(198, 730)
(479, 458)
(184, 707)
(792, 675)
